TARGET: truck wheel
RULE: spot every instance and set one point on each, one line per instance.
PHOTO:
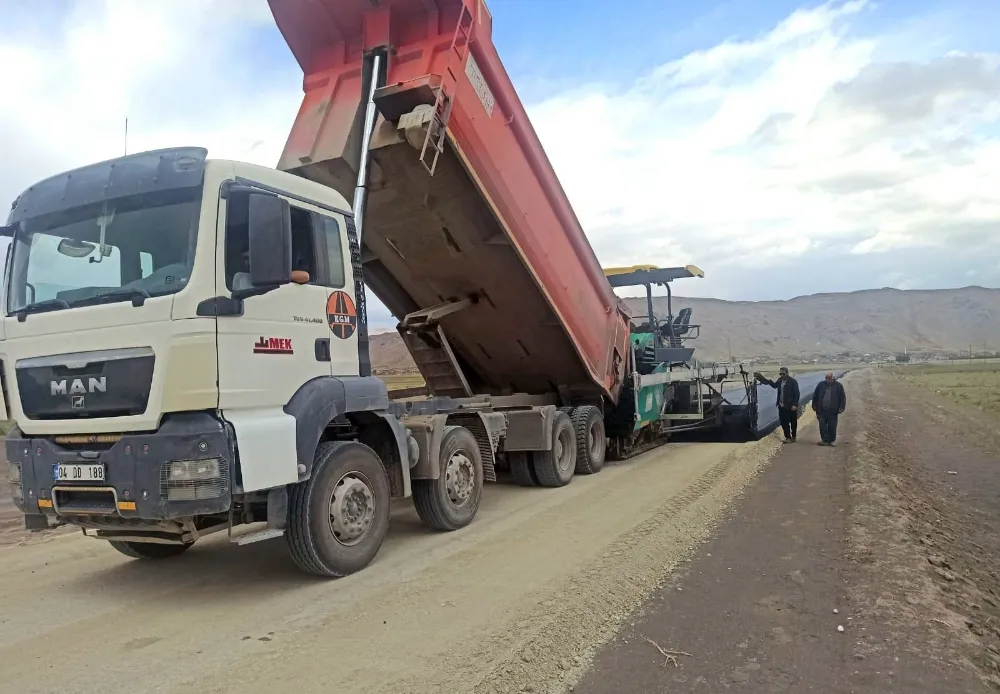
(591, 441)
(555, 467)
(450, 502)
(338, 518)
(149, 550)
(522, 469)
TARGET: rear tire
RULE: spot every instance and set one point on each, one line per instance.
(591, 440)
(338, 518)
(555, 467)
(149, 550)
(522, 469)
(451, 501)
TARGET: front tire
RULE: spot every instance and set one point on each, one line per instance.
(149, 550)
(451, 501)
(339, 517)
(555, 467)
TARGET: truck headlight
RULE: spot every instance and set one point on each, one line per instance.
(192, 480)
(194, 470)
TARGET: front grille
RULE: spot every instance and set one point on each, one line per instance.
(85, 500)
(195, 487)
(105, 383)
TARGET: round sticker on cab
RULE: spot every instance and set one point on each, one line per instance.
(341, 314)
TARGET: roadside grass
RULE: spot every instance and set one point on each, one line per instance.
(975, 384)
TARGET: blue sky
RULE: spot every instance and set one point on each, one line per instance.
(785, 147)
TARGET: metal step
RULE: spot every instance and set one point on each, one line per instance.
(259, 536)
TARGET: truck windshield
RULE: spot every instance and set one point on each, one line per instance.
(142, 245)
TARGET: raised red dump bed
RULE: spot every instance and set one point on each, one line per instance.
(485, 220)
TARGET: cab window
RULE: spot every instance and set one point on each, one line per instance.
(238, 243)
(316, 246)
(333, 251)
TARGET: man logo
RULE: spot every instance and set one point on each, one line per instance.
(78, 387)
(77, 402)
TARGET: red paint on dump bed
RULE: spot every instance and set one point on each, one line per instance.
(490, 131)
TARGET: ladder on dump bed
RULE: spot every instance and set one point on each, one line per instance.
(437, 129)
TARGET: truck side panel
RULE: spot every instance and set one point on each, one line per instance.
(492, 223)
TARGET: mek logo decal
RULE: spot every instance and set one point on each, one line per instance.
(273, 345)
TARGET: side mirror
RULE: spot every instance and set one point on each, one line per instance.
(6, 232)
(270, 231)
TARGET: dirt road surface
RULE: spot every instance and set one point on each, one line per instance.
(742, 559)
(516, 602)
(893, 536)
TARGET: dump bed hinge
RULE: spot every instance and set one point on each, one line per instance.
(436, 362)
(429, 347)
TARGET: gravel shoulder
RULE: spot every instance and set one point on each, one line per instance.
(516, 602)
(868, 529)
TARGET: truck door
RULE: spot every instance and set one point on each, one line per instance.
(292, 334)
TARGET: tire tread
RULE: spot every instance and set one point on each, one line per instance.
(299, 532)
(522, 468)
(544, 462)
(581, 424)
(133, 550)
(426, 497)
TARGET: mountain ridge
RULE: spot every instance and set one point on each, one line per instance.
(814, 326)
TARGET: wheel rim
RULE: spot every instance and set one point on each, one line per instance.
(352, 508)
(595, 440)
(563, 447)
(459, 478)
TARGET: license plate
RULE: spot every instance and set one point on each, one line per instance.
(78, 473)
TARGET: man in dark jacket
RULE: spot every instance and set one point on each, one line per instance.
(829, 402)
(788, 402)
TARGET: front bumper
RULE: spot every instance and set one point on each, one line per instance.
(137, 483)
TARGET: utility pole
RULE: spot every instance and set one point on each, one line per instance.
(126, 136)
(729, 345)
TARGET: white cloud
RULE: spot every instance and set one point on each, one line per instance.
(801, 143)
(755, 159)
(177, 70)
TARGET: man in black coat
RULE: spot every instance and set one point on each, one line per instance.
(829, 402)
(788, 402)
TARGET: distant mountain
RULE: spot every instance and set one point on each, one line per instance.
(816, 326)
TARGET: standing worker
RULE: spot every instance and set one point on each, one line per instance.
(829, 402)
(788, 401)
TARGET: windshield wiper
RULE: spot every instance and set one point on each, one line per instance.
(136, 294)
(40, 307)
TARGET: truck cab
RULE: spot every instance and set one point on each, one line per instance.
(166, 315)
